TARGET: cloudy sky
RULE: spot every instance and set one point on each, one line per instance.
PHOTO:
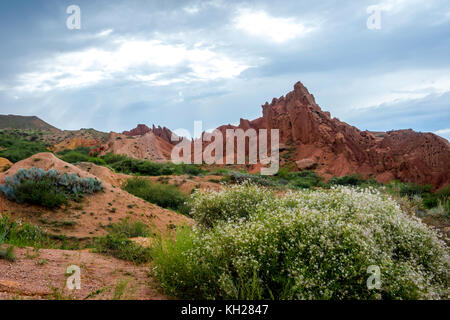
(173, 62)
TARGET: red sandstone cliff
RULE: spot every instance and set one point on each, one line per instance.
(142, 129)
(334, 148)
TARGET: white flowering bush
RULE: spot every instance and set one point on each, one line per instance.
(302, 245)
(237, 202)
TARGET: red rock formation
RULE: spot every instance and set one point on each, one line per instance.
(339, 149)
(142, 129)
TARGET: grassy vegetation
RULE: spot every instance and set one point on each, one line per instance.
(309, 244)
(129, 229)
(24, 234)
(124, 164)
(49, 189)
(127, 165)
(80, 154)
(15, 145)
(164, 195)
(422, 195)
(7, 254)
(118, 244)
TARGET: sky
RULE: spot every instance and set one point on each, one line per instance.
(170, 63)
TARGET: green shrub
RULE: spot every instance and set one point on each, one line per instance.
(7, 254)
(304, 180)
(164, 195)
(74, 157)
(97, 161)
(348, 180)
(111, 158)
(231, 204)
(124, 164)
(117, 245)
(42, 192)
(306, 245)
(82, 150)
(283, 173)
(16, 148)
(412, 189)
(23, 234)
(47, 188)
(129, 229)
(430, 202)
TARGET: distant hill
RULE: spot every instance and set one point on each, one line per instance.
(25, 123)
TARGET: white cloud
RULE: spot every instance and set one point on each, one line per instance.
(260, 24)
(393, 87)
(397, 6)
(192, 9)
(104, 33)
(445, 133)
(126, 61)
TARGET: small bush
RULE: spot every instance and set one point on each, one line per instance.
(42, 192)
(7, 254)
(97, 161)
(74, 157)
(412, 189)
(47, 188)
(164, 195)
(23, 234)
(129, 229)
(348, 180)
(304, 180)
(118, 244)
(111, 158)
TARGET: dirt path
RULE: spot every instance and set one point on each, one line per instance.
(41, 275)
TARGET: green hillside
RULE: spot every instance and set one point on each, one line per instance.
(25, 123)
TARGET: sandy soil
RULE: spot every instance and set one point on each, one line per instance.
(41, 275)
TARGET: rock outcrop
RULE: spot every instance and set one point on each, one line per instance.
(336, 148)
(142, 129)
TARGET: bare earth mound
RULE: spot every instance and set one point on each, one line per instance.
(104, 174)
(88, 218)
(147, 147)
